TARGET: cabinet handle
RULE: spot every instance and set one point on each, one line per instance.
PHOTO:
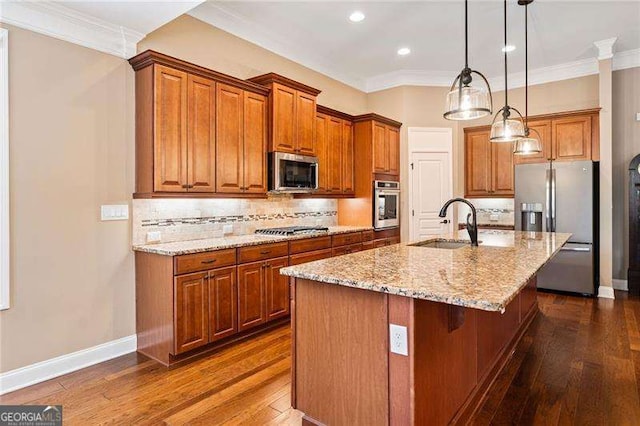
(187, 186)
(265, 252)
(206, 262)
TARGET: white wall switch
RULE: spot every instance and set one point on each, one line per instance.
(114, 212)
(637, 116)
(227, 229)
(398, 339)
(153, 237)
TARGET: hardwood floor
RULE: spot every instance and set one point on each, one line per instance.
(579, 363)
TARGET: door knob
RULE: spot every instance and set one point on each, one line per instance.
(445, 221)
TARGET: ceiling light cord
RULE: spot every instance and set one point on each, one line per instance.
(505, 113)
(526, 69)
(466, 35)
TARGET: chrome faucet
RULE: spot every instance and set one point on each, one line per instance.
(472, 227)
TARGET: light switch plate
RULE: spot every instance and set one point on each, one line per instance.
(637, 116)
(398, 339)
(114, 212)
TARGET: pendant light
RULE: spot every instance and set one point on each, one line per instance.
(505, 128)
(464, 101)
(529, 144)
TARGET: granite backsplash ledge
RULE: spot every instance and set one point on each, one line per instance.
(190, 219)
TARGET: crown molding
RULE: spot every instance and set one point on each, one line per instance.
(605, 48)
(215, 14)
(409, 78)
(55, 20)
(626, 59)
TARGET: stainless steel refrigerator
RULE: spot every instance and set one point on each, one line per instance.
(566, 195)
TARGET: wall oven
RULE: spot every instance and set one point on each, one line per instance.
(292, 173)
(386, 210)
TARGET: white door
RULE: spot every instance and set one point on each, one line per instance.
(430, 165)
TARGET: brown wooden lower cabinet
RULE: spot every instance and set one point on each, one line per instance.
(351, 248)
(223, 303)
(296, 259)
(277, 288)
(383, 242)
(191, 312)
(251, 295)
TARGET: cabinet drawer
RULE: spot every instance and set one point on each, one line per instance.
(367, 245)
(297, 259)
(386, 242)
(310, 244)
(203, 261)
(263, 251)
(339, 251)
(367, 235)
(346, 239)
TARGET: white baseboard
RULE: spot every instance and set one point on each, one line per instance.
(606, 292)
(54, 367)
(620, 285)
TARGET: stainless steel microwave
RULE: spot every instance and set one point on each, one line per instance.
(386, 210)
(292, 173)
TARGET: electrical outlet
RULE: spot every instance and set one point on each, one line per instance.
(218, 233)
(398, 339)
(227, 229)
(153, 237)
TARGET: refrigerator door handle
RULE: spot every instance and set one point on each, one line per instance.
(580, 249)
(548, 200)
(553, 200)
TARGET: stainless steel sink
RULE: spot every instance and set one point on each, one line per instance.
(441, 244)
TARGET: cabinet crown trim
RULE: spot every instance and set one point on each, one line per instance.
(549, 116)
(376, 117)
(270, 78)
(151, 57)
(334, 113)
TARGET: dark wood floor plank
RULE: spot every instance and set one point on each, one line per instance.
(578, 364)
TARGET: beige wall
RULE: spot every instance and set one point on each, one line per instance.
(192, 40)
(71, 135)
(417, 106)
(626, 145)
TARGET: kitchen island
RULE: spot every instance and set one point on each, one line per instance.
(462, 310)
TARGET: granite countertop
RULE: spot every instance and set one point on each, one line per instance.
(209, 244)
(487, 277)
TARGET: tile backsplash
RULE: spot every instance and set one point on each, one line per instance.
(497, 211)
(188, 219)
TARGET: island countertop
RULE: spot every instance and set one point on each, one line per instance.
(487, 277)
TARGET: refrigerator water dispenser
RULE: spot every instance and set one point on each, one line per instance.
(531, 219)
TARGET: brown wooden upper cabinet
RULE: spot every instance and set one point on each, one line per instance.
(381, 137)
(570, 136)
(336, 155)
(187, 119)
(488, 166)
(293, 114)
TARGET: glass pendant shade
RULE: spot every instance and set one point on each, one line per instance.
(468, 103)
(528, 145)
(506, 129)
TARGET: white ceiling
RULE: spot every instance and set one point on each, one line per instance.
(319, 35)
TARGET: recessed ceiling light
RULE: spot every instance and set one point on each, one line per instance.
(356, 16)
(509, 48)
(404, 51)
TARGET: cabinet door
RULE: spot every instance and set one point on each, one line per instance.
(477, 164)
(190, 310)
(201, 134)
(251, 293)
(305, 124)
(229, 124)
(277, 288)
(284, 113)
(255, 143)
(542, 130)
(223, 303)
(348, 183)
(502, 171)
(334, 154)
(571, 138)
(393, 140)
(380, 148)
(322, 150)
(170, 142)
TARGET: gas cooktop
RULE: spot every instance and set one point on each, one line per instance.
(292, 230)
